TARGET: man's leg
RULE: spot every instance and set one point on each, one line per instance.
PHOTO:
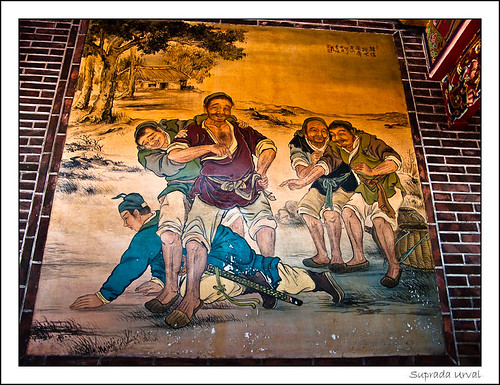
(355, 232)
(261, 224)
(172, 254)
(266, 240)
(196, 261)
(333, 225)
(318, 236)
(385, 235)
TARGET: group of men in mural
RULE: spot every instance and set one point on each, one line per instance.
(213, 182)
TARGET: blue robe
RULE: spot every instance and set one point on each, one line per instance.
(229, 252)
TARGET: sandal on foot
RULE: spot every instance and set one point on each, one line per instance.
(356, 267)
(309, 262)
(337, 267)
(391, 282)
(178, 319)
(156, 306)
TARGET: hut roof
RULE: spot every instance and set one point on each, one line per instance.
(159, 73)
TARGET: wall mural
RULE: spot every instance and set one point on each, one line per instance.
(237, 192)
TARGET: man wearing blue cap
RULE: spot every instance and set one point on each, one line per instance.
(229, 252)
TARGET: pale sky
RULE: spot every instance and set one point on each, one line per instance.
(293, 67)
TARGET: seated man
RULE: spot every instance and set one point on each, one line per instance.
(229, 252)
(326, 195)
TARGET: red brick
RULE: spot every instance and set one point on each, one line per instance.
(460, 248)
(466, 197)
(38, 86)
(464, 325)
(460, 143)
(469, 217)
(51, 31)
(470, 238)
(465, 292)
(456, 280)
(472, 259)
(457, 207)
(465, 178)
(474, 280)
(447, 237)
(449, 217)
(460, 302)
(473, 170)
(435, 160)
(32, 23)
(442, 197)
(463, 160)
(468, 349)
(447, 169)
(25, 108)
(476, 153)
(439, 177)
(29, 93)
(464, 269)
(453, 259)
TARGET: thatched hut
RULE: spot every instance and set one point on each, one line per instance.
(159, 77)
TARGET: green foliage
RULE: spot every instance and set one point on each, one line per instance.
(152, 36)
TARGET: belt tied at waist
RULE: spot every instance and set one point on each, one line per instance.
(331, 185)
(382, 200)
(237, 186)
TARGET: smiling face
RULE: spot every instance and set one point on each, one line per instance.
(316, 133)
(219, 109)
(153, 139)
(342, 137)
(132, 220)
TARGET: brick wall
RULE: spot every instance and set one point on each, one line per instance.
(49, 57)
(448, 161)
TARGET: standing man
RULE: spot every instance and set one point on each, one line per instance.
(152, 140)
(378, 197)
(228, 179)
(326, 196)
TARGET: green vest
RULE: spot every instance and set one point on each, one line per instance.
(363, 155)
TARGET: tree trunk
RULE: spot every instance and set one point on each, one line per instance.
(102, 109)
(131, 80)
(86, 92)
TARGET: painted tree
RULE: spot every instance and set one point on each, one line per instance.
(193, 61)
(110, 39)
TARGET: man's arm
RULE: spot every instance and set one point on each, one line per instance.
(133, 264)
(309, 177)
(184, 155)
(158, 162)
(383, 168)
(391, 161)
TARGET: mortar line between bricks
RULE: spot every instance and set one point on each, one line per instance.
(39, 217)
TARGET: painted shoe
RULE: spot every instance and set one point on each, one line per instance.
(156, 306)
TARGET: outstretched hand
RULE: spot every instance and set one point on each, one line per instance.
(87, 301)
(149, 287)
(293, 184)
